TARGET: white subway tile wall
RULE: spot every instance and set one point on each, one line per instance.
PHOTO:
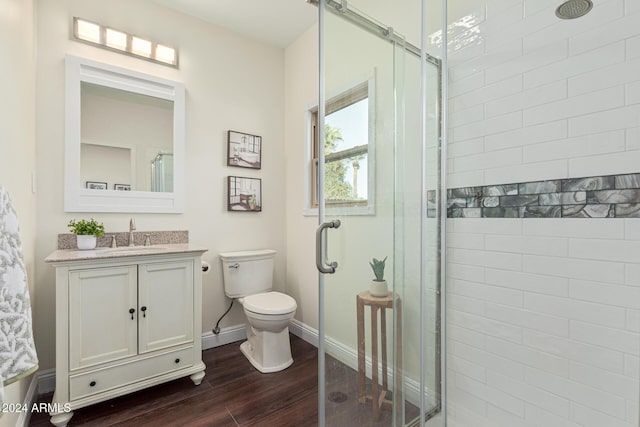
(528, 78)
(535, 338)
(543, 324)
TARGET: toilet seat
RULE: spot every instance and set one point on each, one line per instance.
(271, 303)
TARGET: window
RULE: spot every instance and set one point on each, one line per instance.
(348, 159)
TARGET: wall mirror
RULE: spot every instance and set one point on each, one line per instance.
(125, 144)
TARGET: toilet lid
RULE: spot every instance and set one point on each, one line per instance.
(270, 303)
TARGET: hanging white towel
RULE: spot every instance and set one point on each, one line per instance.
(18, 357)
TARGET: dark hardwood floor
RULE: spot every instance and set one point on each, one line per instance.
(233, 393)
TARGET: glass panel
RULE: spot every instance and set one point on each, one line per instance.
(353, 55)
(431, 303)
(162, 173)
(416, 239)
(368, 330)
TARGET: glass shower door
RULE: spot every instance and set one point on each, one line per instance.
(162, 173)
(375, 367)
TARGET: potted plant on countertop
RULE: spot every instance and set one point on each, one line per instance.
(378, 287)
(86, 232)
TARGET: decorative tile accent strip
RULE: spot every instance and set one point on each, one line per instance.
(539, 187)
(628, 181)
(593, 183)
(613, 196)
(68, 241)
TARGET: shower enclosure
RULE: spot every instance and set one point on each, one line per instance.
(377, 174)
(162, 173)
(542, 301)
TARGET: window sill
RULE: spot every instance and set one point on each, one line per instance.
(342, 211)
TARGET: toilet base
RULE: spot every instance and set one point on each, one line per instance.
(277, 355)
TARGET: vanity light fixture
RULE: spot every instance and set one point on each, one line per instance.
(87, 31)
(120, 41)
(141, 47)
(116, 39)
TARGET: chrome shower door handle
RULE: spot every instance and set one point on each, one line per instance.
(321, 247)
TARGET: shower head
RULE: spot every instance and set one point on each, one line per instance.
(572, 9)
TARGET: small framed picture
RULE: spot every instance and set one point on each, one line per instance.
(244, 194)
(122, 187)
(244, 150)
(93, 185)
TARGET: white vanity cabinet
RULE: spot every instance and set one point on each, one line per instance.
(124, 324)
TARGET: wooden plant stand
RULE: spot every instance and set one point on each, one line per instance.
(378, 396)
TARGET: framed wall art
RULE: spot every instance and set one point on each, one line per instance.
(244, 194)
(244, 150)
(93, 185)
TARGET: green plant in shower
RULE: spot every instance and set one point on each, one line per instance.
(378, 269)
(86, 228)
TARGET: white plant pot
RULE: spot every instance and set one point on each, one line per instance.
(378, 288)
(86, 242)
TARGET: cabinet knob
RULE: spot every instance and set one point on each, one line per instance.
(144, 310)
(131, 311)
(178, 360)
(92, 384)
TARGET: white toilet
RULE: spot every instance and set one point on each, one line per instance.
(248, 276)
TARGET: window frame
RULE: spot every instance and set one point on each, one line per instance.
(343, 99)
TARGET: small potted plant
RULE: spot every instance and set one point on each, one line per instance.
(86, 232)
(378, 287)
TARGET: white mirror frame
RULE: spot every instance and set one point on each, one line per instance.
(78, 199)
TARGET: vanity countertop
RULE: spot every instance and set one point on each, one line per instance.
(101, 253)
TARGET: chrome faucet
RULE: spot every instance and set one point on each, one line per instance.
(132, 226)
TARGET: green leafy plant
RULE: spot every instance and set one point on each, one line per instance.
(86, 228)
(378, 269)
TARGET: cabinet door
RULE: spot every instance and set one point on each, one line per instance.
(165, 304)
(101, 326)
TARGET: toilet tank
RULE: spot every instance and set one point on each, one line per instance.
(247, 272)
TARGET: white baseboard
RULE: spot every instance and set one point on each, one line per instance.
(344, 354)
(304, 332)
(226, 336)
(349, 356)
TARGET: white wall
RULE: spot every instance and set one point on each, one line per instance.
(17, 141)
(100, 163)
(301, 93)
(231, 83)
(543, 314)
